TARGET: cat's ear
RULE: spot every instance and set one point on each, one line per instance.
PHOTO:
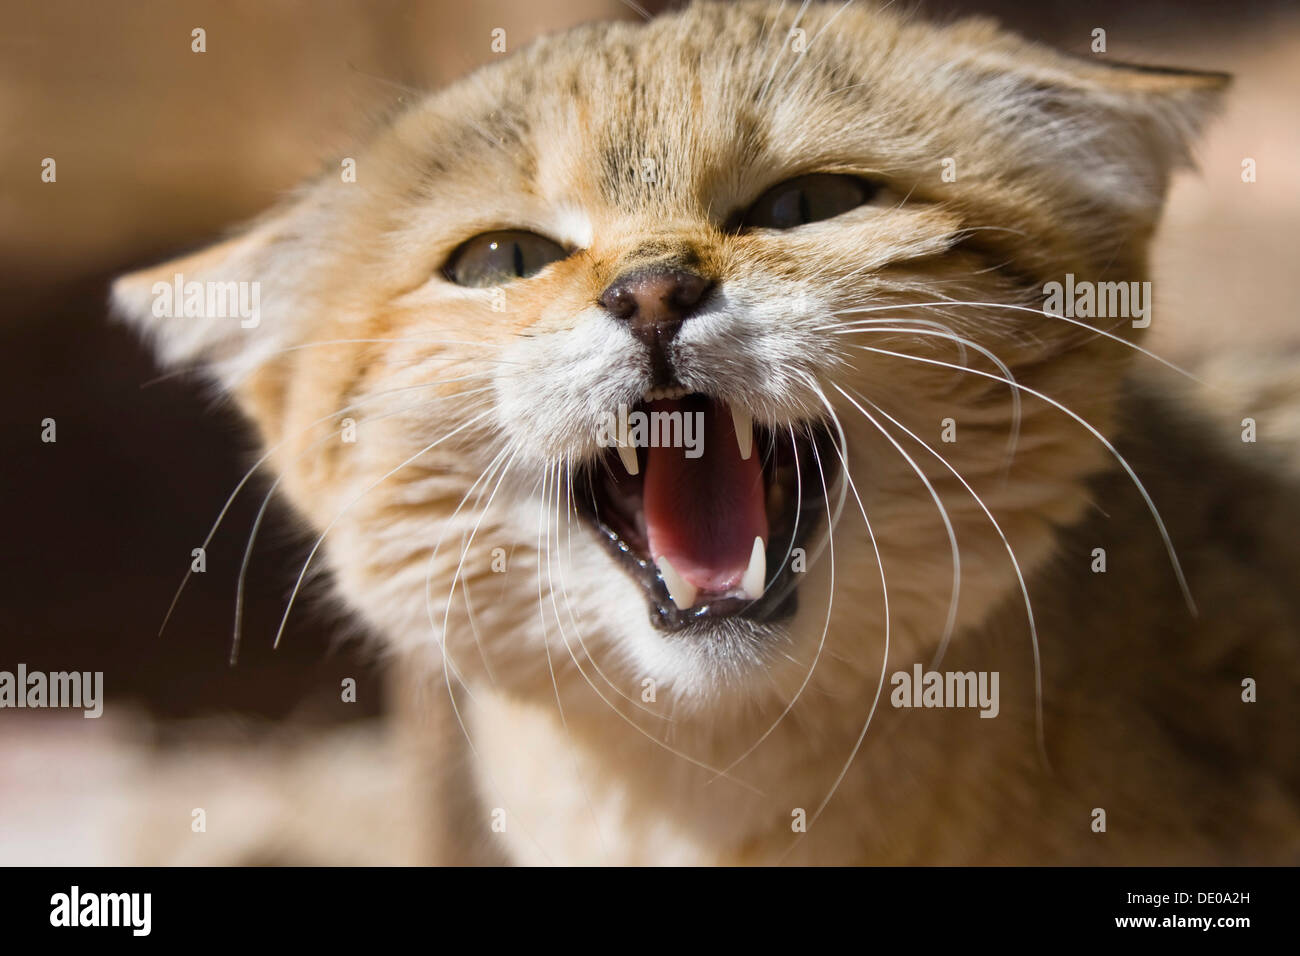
(1155, 114)
(224, 309)
(1116, 130)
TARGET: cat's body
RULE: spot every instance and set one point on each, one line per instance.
(579, 710)
(1143, 720)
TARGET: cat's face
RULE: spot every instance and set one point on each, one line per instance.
(792, 229)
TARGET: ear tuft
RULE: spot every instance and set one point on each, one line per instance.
(1119, 129)
(221, 310)
(1171, 105)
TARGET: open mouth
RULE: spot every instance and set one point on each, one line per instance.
(708, 512)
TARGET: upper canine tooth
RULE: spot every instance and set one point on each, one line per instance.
(755, 579)
(628, 454)
(744, 423)
(679, 589)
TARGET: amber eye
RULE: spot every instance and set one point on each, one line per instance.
(503, 256)
(806, 199)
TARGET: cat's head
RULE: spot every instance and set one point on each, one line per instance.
(802, 244)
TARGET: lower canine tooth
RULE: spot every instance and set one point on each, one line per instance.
(628, 454)
(744, 422)
(679, 589)
(756, 574)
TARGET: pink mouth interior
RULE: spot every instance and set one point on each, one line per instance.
(704, 513)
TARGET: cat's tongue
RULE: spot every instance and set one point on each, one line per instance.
(703, 514)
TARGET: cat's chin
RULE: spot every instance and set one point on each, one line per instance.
(739, 525)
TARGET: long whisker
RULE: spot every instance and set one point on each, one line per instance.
(1123, 462)
(568, 604)
(950, 623)
(1043, 312)
(955, 595)
(1020, 577)
(559, 705)
(422, 340)
(447, 668)
(841, 449)
(230, 499)
(369, 488)
(637, 8)
(963, 342)
(830, 604)
(266, 501)
(464, 582)
(924, 323)
(798, 507)
(955, 551)
(484, 477)
(478, 359)
(655, 740)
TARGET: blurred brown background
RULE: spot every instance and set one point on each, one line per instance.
(160, 149)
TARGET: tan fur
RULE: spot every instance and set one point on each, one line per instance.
(1062, 167)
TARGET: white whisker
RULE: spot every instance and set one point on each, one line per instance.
(830, 602)
(841, 449)
(369, 488)
(484, 477)
(963, 342)
(1123, 462)
(1020, 577)
(266, 501)
(1043, 312)
(559, 704)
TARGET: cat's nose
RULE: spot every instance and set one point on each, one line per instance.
(655, 303)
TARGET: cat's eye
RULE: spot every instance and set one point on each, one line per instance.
(502, 256)
(806, 199)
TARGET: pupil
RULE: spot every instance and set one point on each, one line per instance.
(519, 259)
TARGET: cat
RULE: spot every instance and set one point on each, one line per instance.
(822, 233)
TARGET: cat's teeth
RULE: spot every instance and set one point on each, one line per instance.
(744, 422)
(628, 454)
(659, 393)
(755, 577)
(679, 589)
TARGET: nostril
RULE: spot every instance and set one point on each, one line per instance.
(690, 289)
(619, 301)
(658, 297)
